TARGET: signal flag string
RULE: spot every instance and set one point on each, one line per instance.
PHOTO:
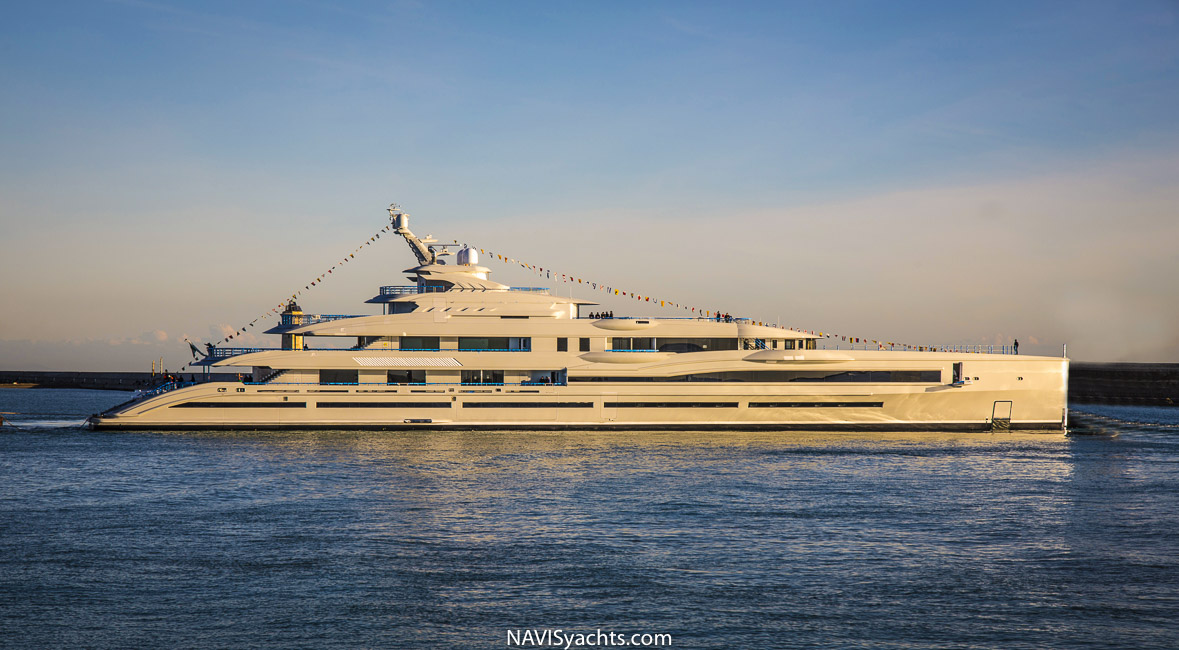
(550, 274)
(567, 278)
(317, 281)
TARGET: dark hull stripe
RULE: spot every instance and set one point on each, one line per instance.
(456, 426)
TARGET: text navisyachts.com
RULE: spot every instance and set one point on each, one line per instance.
(549, 638)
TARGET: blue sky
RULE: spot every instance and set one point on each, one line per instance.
(923, 172)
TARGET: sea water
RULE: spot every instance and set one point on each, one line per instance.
(469, 539)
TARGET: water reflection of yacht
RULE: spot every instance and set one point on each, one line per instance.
(458, 350)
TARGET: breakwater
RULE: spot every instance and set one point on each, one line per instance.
(99, 380)
(1147, 384)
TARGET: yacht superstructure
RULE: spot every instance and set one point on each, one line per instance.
(458, 350)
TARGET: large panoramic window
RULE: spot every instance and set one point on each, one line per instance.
(494, 343)
(483, 377)
(338, 376)
(419, 343)
(407, 377)
(672, 344)
(800, 376)
(636, 343)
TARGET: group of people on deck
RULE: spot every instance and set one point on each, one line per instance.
(601, 314)
(723, 318)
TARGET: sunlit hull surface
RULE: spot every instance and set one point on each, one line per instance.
(1026, 393)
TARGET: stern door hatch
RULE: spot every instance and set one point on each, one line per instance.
(1001, 416)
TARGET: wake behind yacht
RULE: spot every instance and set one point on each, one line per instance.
(456, 350)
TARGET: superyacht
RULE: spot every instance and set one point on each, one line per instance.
(456, 350)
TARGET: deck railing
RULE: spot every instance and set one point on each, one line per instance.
(961, 349)
(225, 353)
(311, 319)
(407, 290)
(140, 395)
(713, 319)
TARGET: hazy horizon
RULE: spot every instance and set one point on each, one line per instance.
(916, 173)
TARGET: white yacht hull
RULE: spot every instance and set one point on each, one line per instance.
(1022, 393)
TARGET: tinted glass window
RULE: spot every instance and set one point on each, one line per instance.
(801, 376)
(419, 343)
(338, 376)
(407, 376)
(483, 376)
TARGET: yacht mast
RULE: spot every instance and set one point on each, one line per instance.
(425, 254)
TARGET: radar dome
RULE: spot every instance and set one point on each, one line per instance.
(468, 256)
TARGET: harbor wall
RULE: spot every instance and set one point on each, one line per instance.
(1145, 384)
(99, 380)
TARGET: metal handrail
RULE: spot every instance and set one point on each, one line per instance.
(141, 395)
(407, 290)
(225, 353)
(311, 319)
(733, 319)
(979, 348)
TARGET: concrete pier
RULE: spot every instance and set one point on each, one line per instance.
(99, 380)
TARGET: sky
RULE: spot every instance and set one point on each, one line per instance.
(914, 172)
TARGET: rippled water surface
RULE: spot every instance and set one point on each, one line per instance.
(722, 540)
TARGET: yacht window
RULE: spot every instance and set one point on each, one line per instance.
(407, 377)
(419, 343)
(801, 376)
(636, 343)
(483, 376)
(338, 376)
(672, 344)
(494, 343)
(584, 345)
(562, 345)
